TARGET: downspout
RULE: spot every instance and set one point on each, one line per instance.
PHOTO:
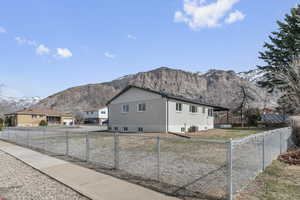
(167, 115)
(108, 125)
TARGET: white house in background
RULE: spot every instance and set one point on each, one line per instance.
(95, 115)
(137, 109)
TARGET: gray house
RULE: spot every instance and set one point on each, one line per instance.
(137, 109)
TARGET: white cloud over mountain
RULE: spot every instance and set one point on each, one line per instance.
(64, 52)
(42, 50)
(198, 14)
(109, 55)
(235, 16)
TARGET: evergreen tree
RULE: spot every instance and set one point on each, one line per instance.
(282, 55)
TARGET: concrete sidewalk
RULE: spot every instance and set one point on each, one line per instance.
(90, 183)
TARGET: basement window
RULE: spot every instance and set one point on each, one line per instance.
(140, 129)
(125, 129)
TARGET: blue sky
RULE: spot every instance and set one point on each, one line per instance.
(50, 45)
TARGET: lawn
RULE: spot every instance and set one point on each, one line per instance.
(226, 134)
(279, 181)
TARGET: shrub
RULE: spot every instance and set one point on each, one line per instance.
(43, 123)
(8, 121)
(253, 116)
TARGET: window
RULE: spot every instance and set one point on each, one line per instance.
(116, 128)
(193, 109)
(203, 110)
(34, 116)
(182, 129)
(103, 112)
(92, 112)
(210, 112)
(140, 129)
(125, 108)
(125, 129)
(109, 128)
(141, 107)
(179, 107)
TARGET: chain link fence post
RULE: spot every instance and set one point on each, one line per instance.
(27, 139)
(8, 136)
(263, 153)
(158, 157)
(67, 143)
(116, 150)
(229, 170)
(44, 140)
(87, 145)
(281, 150)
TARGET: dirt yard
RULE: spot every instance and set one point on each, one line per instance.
(214, 134)
(280, 181)
(226, 134)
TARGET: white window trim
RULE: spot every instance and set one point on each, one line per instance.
(122, 110)
(194, 113)
(178, 111)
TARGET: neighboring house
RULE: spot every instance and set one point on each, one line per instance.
(95, 115)
(137, 109)
(33, 117)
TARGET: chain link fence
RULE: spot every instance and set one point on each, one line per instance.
(211, 169)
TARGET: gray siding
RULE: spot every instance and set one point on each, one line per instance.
(151, 120)
(186, 119)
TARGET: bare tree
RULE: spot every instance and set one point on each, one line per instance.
(244, 97)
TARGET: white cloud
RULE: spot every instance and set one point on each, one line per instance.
(22, 40)
(132, 37)
(199, 14)
(109, 55)
(42, 50)
(64, 52)
(2, 30)
(234, 17)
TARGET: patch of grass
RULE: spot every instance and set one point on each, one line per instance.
(278, 182)
(226, 134)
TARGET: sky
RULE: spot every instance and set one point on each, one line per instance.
(49, 45)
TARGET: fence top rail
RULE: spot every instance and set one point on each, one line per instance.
(259, 135)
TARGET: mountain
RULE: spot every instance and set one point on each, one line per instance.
(11, 104)
(215, 87)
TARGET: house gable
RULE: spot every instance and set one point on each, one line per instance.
(134, 94)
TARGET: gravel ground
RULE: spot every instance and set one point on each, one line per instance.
(20, 181)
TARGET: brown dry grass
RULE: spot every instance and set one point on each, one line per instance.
(278, 182)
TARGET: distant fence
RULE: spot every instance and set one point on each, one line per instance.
(214, 169)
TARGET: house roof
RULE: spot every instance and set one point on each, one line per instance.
(33, 111)
(169, 96)
(95, 108)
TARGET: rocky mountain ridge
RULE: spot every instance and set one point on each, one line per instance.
(215, 87)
